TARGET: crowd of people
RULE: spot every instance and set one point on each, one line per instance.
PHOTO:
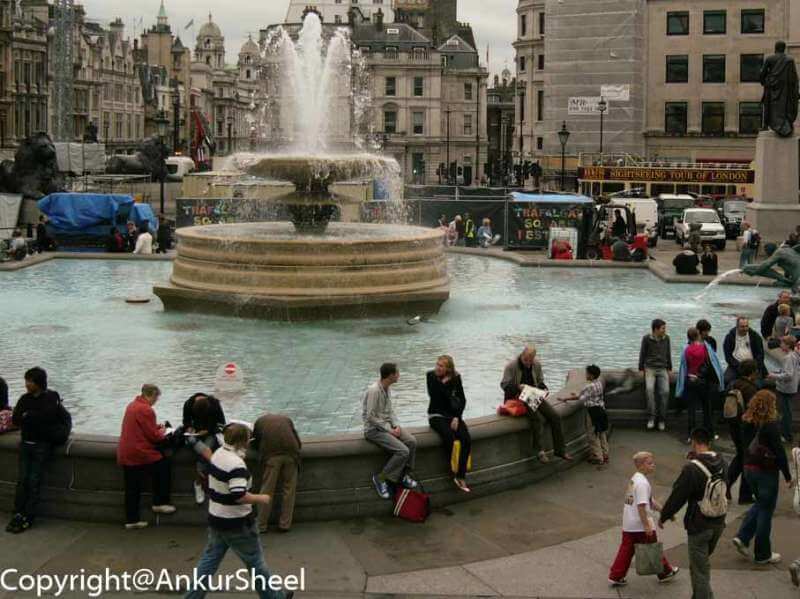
(139, 240)
(462, 232)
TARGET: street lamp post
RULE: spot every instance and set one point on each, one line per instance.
(602, 107)
(162, 122)
(563, 137)
(230, 134)
(447, 112)
(176, 124)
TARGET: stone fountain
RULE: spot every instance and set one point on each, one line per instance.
(311, 267)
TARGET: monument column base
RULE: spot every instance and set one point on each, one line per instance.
(776, 210)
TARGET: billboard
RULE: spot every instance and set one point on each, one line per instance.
(583, 105)
(616, 93)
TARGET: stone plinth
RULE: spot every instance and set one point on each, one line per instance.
(776, 210)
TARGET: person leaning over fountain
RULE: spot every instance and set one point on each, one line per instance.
(772, 313)
(203, 418)
(445, 415)
(525, 369)
(742, 343)
(279, 445)
(139, 455)
(655, 361)
(381, 427)
(787, 381)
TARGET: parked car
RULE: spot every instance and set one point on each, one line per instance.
(711, 228)
(732, 211)
(670, 209)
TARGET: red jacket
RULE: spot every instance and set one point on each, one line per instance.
(139, 436)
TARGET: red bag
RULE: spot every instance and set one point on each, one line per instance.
(6, 426)
(412, 505)
(513, 407)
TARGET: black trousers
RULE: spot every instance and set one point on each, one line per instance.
(736, 467)
(449, 436)
(159, 472)
(698, 395)
(33, 458)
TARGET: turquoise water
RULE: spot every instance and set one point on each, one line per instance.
(70, 317)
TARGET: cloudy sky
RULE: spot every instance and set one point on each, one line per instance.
(493, 27)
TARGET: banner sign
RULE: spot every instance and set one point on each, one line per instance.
(616, 93)
(583, 105)
(732, 176)
(529, 223)
(215, 211)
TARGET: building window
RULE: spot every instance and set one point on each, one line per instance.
(468, 91)
(541, 62)
(467, 124)
(750, 68)
(390, 121)
(337, 19)
(540, 105)
(390, 53)
(713, 118)
(677, 69)
(540, 143)
(714, 68)
(419, 87)
(418, 119)
(521, 64)
(391, 86)
(675, 114)
(523, 25)
(753, 20)
(750, 118)
(541, 23)
(678, 23)
(715, 22)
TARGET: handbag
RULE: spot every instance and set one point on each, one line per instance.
(411, 505)
(457, 403)
(796, 460)
(648, 558)
(455, 456)
(765, 458)
(513, 407)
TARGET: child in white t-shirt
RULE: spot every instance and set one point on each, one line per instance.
(638, 523)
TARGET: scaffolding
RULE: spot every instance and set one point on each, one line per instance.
(63, 74)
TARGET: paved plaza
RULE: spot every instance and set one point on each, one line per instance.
(553, 539)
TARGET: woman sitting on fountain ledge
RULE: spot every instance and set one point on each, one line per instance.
(445, 411)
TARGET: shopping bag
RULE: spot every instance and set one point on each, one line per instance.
(796, 460)
(648, 559)
(455, 455)
(412, 505)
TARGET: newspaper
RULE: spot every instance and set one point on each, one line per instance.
(533, 396)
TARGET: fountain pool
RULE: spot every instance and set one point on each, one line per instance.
(70, 317)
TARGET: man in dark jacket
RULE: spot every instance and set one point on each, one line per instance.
(703, 532)
(655, 361)
(686, 263)
(742, 343)
(771, 313)
(37, 414)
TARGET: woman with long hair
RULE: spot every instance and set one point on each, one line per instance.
(699, 377)
(445, 411)
(764, 458)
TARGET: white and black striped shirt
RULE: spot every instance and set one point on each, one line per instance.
(228, 481)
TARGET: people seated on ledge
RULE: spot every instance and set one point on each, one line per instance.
(138, 454)
(709, 261)
(130, 236)
(382, 428)
(620, 251)
(562, 250)
(19, 247)
(686, 263)
(37, 414)
(115, 243)
(203, 419)
(445, 417)
(771, 313)
(144, 241)
(525, 369)
(278, 445)
(742, 343)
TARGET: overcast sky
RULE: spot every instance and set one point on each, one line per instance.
(495, 26)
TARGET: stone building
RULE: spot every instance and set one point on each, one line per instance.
(530, 62)
(6, 68)
(335, 11)
(500, 115)
(29, 88)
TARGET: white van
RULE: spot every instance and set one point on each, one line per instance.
(644, 209)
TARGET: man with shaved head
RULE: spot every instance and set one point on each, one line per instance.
(525, 369)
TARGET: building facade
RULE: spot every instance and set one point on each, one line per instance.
(336, 11)
(500, 123)
(528, 140)
(29, 87)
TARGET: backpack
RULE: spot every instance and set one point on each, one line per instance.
(755, 240)
(714, 503)
(734, 404)
(61, 430)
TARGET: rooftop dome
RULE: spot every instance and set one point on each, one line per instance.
(210, 29)
(250, 47)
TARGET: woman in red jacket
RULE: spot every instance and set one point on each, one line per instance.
(140, 458)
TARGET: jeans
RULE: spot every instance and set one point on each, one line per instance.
(627, 550)
(785, 408)
(449, 436)
(283, 467)
(32, 460)
(403, 451)
(698, 394)
(701, 546)
(746, 257)
(135, 478)
(547, 413)
(245, 543)
(758, 519)
(656, 381)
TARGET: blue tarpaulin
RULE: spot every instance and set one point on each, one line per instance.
(546, 198)
(93, 213)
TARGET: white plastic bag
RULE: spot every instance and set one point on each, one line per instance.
(796, 461)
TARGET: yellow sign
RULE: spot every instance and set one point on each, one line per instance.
(733, 176)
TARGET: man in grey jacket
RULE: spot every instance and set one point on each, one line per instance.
(382, 429)
(655, 361)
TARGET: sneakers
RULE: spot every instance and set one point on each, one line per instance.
(381, 487)
(662, 427)
(543, 457)
(408, 482)
(136, 525)
(794, 572)
(739, 545)
(651, 424)
(199, 493)
(18, 524)
(618, 583)
(164, 509)
(669, 575)
(775, 558)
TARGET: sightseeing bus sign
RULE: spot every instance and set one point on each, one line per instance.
(709, 176)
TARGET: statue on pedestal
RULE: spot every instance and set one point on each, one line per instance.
(783, 266)
(781, 92)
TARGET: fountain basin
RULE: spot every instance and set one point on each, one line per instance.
(267, 270)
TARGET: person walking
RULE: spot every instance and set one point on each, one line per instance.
(740, 344)
(382, 428)
(787, 381)
(699, 378)
(764, 459)
(747, 387)
(655, 361)
(446, 415)
(279, 445)
(701, 484)
(230, 518)
(750, 242)
(638, 524)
